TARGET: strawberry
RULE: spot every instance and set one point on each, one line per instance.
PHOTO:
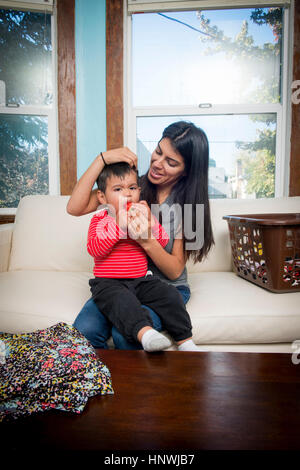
(128, 205)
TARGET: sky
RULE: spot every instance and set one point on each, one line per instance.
(171, 65)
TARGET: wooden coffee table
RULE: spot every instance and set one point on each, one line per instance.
(177, 401)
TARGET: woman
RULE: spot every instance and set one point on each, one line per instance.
(178, 174)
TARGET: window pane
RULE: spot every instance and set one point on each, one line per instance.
(218, 57)
(25, 57)
(23, 157)
(241, 148)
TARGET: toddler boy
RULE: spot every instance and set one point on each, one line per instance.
(121, 284)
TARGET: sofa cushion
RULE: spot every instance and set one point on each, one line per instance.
(32, 300)
(223, 307)
(45, 237)
(6, 231)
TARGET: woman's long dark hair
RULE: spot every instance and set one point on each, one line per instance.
(192, 188)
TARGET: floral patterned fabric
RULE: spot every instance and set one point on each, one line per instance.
(55, 368)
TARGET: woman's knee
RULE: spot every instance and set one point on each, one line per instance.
(184, 292)
(93, 325)
(174, 296)
(156, 321)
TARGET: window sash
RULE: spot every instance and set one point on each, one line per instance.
(215, 111)
(51, 113)
(135, 6)
(32, 5)
(280, 109)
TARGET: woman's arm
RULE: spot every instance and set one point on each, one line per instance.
(83, 199)
(171, 265)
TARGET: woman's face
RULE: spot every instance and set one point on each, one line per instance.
(166, 166)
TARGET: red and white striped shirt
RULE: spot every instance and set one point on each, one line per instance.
(115, 254)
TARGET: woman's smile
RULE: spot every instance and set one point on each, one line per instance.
(154, 173)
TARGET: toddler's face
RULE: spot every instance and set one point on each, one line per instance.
(119, 191)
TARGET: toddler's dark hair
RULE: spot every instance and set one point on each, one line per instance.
(119, 169)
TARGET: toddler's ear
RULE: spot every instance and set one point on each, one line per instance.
(101, 197)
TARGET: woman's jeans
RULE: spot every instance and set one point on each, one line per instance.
(97, 329)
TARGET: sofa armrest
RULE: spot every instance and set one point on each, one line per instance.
(6, 231)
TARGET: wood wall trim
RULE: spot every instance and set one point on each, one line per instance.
(114, 74)
(7, 219)
(66, 82)
(294, 189)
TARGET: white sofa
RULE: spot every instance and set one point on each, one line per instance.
(45, 270)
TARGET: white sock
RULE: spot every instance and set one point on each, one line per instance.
(190, 346)
(152, 340)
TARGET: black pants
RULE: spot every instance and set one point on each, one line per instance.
(120, 300)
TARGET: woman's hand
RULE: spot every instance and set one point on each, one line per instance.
(140, 222)
(122, 154)
(145, 209)
(84, 199)
(122, 219)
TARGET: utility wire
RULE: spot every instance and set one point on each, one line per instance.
(185, 24)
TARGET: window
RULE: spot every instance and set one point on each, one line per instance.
(224, 70)
(28, 156)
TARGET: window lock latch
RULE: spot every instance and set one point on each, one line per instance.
(205, 105)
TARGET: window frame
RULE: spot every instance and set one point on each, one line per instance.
(282, 109)
(46, 111)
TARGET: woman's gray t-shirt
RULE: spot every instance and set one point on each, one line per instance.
(171, 221)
